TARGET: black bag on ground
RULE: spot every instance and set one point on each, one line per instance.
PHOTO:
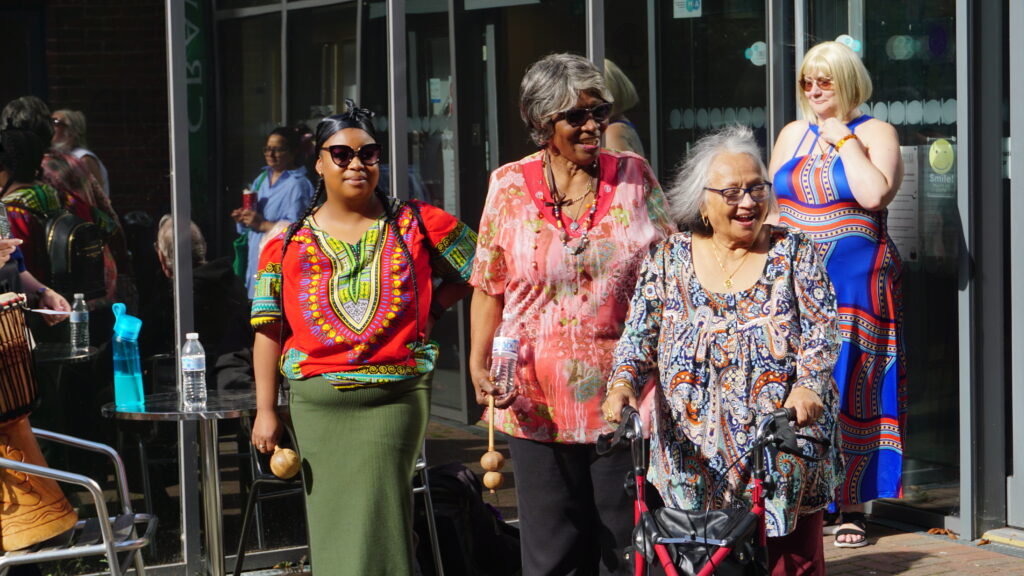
(75, 249)
(473, 540)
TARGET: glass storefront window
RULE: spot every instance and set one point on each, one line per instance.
(625, 38)
(910, 50)
(250, 65)
(432, 176)
(322, 62)
(234, 4)
(711, 71)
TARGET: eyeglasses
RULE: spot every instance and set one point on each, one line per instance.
(342, 155)
(807, 84)
(276, 150)
(577, 117)
(733, 196)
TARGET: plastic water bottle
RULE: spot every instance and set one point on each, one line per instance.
(193, 373)
(128, 393)
(79, 324)
(504, 356)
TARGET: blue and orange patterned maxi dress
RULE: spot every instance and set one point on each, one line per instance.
(814, 196)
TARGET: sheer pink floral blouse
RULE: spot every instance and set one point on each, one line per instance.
(569, 308)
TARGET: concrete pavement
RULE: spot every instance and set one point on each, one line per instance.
(892, 551)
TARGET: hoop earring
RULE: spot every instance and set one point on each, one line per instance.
(704, 219)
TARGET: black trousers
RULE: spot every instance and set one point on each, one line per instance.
(575, 517)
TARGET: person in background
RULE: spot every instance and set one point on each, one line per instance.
(69, 136)
(344, 303)
(15, 278)
(737, 319)
(835, 172)
(219, 302)
(621, 133)
(82, 195)
(282, 192)
(561, 239)
(21, 191)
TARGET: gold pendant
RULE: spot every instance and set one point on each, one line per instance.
(728, 283)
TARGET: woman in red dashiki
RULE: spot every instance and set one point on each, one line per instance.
(561, 239)
(352, 281)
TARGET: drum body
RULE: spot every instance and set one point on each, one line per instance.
(32, 509)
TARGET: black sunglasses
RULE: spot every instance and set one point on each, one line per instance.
(577, 117)
(342, 155)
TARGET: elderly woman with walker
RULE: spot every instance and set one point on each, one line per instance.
(736, 318)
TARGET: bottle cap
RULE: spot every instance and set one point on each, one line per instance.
(77, 296)
(192, 336)
(126, 327)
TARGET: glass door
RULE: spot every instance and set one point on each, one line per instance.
(495, 42)
(909, 48)
(712, 59)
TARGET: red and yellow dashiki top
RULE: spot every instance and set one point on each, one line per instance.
(351, 308)
(570, 309)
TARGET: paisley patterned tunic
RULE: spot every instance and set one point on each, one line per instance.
(353, 308)
(723, 361)
(862, 261)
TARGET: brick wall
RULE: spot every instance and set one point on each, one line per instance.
(108, 59)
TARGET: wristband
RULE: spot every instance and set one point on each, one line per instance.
(850, 136)
(621, 384)
(41, 290)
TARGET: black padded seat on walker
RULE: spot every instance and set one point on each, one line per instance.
(731, 527)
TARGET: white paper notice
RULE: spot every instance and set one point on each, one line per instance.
(903, 211)
(448, 162)
(686, 8)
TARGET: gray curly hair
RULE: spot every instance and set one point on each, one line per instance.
(552, 85)
(686, 194)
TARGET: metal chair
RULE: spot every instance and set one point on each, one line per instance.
(421, 485)
(103, 535)
(262, 477)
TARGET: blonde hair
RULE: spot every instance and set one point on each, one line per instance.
(74, 123)
(850, 78)
(620, 86)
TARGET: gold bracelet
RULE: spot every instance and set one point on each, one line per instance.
(850, 136)
(621, 384)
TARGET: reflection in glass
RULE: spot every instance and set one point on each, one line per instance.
(250, 66)
(710, 68)
(432, 167)
(625, 36)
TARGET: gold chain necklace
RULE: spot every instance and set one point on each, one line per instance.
(728, 279)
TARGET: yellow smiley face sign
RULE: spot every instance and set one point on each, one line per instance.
(941, 156)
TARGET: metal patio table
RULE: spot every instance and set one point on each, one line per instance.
(220, 405)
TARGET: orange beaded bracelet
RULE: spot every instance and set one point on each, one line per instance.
(850, 136)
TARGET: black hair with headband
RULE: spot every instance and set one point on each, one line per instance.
(352, 117)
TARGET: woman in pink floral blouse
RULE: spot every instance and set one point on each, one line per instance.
(562, 236)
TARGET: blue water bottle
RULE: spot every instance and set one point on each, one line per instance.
(128, 393)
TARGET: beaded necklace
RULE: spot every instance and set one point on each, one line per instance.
(556, 207)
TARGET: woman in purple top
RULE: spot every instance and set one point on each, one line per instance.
(282, 194)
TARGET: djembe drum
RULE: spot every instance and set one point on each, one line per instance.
(34, 509)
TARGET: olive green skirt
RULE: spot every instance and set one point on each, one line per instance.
(358, 448)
